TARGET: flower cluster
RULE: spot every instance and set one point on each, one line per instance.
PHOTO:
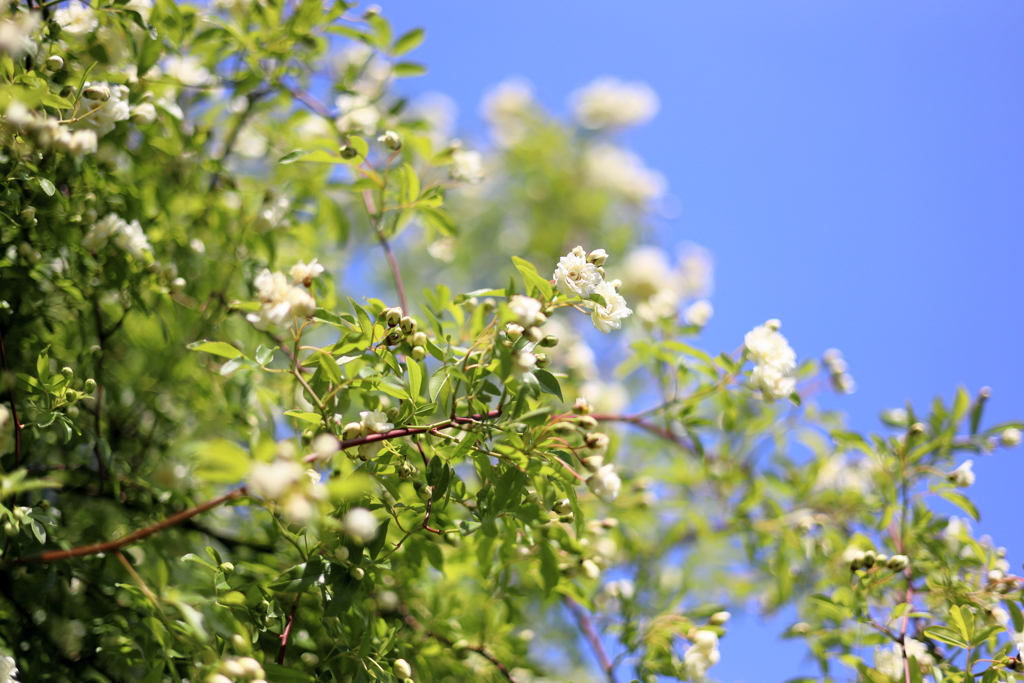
(103, 105)
(48, 133)
(16, 33)
(702, 655)
(610, 103)
(613, 168)
(240, 669)
(775, 361)
(359, 115)
(370, 422)
(507, 108)
(288, 483)
(77, 19)
(468, 166)
(360, 525)
(127, 236)
(281, 300)
(842, 381)
(582, 274)
(889, 661)
(662, 287)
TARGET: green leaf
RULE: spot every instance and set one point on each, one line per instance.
(292, 156)
(548, 383)
(961, 501)
(408, 42)
(1015, 614)
(222, 461)
(408, 69)
(946, 635)
(548, 567)
(318, 156)
(532, 277)
(598, 299)
(217, 348)
(379, 540)
(437, 382)
(47, 186)
(963, 622)
(329, 366)
(415, 377)
(264, 355)
(437, 219)
(312, 418)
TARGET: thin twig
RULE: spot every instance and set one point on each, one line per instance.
(587, 628)
(409, 431)
(396, 274)
(98, 394)
(479, 649)
(14, 407)
(287, 630)
(638, 421)
(117, 544)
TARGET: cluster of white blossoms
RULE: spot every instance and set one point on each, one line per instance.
(662, 288)
(48, 133)
(612, 168)
(582, 274)
(282, 300)
(468, 166)
(774, 361)
(360, 525)
(16, 31)
(608, 102)
(102, 105)
(842, 381)
(702, 655)
(8, 669)
(287, 482)
(889, 661)
(371, 72)
(76, 19)
(357, 115)
(962, 476)
(370, 422)
(127, 236)
(507, 107)
(187, 70)
(238, 669)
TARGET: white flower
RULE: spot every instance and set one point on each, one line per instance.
(443, 249)
(360, 525)
(698, 313)
(272, 213)
(144, 113)
(402, 669)
(574, 276)
(773, 382)
(613, 168)
(590, 569)
(963, 476)
(132, 239)
(16, 33)
(325, 446)
(1010, 437)
(127, 236)
(102, 105)
(525, 361)
(526, 309)
(702, 655)
(765, 346)
(303, 273)
(506, 107)
(101, 231)
(8, 669)
(76, 19)
(360, 116)
(280, 300)
(271, 480)
(187, 70)
(143, 7)
(608, 102)
(609, 316)
(375, 422)
(663, 305)
(889, 661)
(467, 165)
(605, 484)
(83, 142)
(6, 429)
(302, 303)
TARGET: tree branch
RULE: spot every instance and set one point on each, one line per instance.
(587, 628)
(287, 630)
(479, 649)
(638, 421)
(117, 544)
(14, 408)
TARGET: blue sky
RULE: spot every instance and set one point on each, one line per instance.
(857, 169)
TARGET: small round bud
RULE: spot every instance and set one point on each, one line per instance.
(590, 569)
(1010, 437)
(562, 506)
(586, 422)
(419, 339)
(393, 316)
(597, 441)
(372, 11)
(218, 678)
(226, 567)
(28, 214)
(593, 463)
(597, 257)
(402, 668)
(514, 331)
(358, 573)
(406, 470)
(341, 553)
(68, 373)
(178, 284)
(391, 140)
(232, 667)
(719, 618)
(407, 324)
(394, 337)
(898, 563)
(488, 305)
(857, 562)
(90, 385)
(582, 406)
(54, 62)
(800, 627)
(543, 359)
(347, 152)
(252, 667)
(916, 428)
(72, 412)
(869, 559)
(535, 334)
(240, 643)
(548, 341)
(353, 430)
(418, 353)
(881, 560)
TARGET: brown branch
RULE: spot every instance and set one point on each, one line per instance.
(117, 544)
(638, 421)
(287, 630)
(409, 431)
(396, 274)
(14, 408)
(479, 649)
(587, 628)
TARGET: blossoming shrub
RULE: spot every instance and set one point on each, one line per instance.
(297, 387)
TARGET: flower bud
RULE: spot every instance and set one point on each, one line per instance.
(562, 506)
(97, 92)
(402, 669)
(898, 563)
(54, 62)
(226, 567)
(857, 562)
(347, 152)
(393, 337)
(719, 618)
(353, 430)
(90, 385)
(419, 339)
(590, 569)
(548, 341)
(418, 353)
(586, 422)
(252, 667)
(597, 257)
(597, 441)
(869, 559)
(391, 140)
(218, 678)
(1010, 437)
(407, 324)
(358, 573)
(535, 334)
(178, 284)
(514, 331)
(543, 359)
(240, 643)
(393, 316)
(68, 373)
(582, 406)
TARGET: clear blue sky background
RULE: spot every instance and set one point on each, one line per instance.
(857, 169)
